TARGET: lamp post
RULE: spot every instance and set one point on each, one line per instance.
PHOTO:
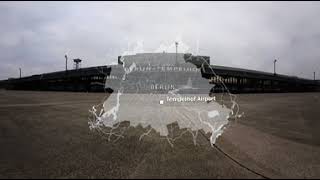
(274, 67)
(66, 62)
(176, 52)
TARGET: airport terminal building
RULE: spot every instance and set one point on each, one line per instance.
(161, 73)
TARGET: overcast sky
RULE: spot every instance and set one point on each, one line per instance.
(36, 35)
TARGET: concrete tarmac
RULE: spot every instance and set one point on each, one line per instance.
(46, 134)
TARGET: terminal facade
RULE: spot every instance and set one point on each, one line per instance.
(160, 73)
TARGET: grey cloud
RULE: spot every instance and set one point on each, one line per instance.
(36, 35)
